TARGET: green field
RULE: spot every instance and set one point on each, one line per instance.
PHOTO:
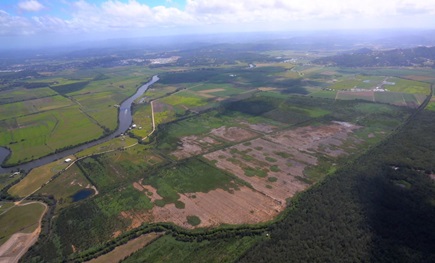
(65, 186)
(6, 179)
(21, 94)
(143, 119)
(39, 122)
(20, 219)
(192, 176)
(273, 97)
(408, 86)
(114, 144)
(125, 199)
(112, 170)
(36, 178)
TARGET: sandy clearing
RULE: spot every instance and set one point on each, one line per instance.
(313, 139)
(159, 106)
(286, 184)
(212, 90)
(193, 145)
(150, 191)
(219, 207)
(233, 134)
(123, 251)
(18, 244)
(10, 250)
(418, 78)
(267, 89)
(284, 155)
(260, 127)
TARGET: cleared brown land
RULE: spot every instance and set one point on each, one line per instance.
(150, 191)
(419, 78)
(18, 244)
(286, 184)
(159, 106)
(282, 157)
(193, 145)
(325, 139)
(260, 127)
(11, 250)
(273, 166)
(214, 208)
(121, 252)
(233, 134)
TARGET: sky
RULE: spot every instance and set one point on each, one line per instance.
(44, 21)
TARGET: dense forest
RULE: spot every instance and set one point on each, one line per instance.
(379, 208)
(420, 56)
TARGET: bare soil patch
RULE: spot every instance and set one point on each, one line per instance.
(150, 191)
(159, 106)
(9, 251)
(266, 156)
(193, 145)
(272, 165)
(18, 244)
(212, 90)
(418, 78)
(267, 89)
(260, 127)
(233, 134)
(325, 139)
(214, 208)
(123, 251)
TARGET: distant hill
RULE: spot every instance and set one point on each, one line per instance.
(419, 56)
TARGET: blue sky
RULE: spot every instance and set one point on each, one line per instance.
(86, 19)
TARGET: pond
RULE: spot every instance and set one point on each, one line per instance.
(82, 194)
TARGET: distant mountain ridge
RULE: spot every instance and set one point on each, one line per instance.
(419, 56)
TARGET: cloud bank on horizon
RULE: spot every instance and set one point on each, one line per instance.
(115, 17)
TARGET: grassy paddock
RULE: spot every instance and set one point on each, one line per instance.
(36, 178)
(65, 186)
(20, 219)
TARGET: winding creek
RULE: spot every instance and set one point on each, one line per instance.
(124, 121)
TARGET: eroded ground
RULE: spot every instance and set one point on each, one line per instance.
(270, 168)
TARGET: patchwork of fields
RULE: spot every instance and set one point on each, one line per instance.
(71, 109)
(231, 145)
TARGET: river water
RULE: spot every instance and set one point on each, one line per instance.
(125, 120)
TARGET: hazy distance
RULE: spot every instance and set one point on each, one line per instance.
(39, 23)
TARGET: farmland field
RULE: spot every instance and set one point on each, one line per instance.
(226, 148)
(68, 112)
(36, 178)
(22, 219)
(65, 186)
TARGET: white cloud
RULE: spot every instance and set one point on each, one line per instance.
(118, 16)
(31, 6)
